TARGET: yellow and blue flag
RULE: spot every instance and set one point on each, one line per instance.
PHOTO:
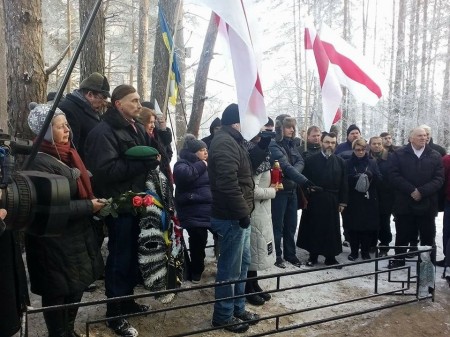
(175, 78)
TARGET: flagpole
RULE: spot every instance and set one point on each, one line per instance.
(308, 94)
(166, 97)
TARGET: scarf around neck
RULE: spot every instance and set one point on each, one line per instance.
(69, 156)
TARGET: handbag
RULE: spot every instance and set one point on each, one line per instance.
(363, 183)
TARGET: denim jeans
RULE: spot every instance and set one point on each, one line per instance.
(122, 269)
(284, 219)
(233, 263)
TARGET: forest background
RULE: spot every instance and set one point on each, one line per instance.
(408, 40)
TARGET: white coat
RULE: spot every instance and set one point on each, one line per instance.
(261, 238)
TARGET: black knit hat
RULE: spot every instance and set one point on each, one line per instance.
(351, 128)
(96, 82)
(193, 144)
(231, 115)
(215, 123)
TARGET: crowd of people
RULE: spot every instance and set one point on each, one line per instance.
(222, 184)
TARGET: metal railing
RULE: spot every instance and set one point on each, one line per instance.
(404, 284)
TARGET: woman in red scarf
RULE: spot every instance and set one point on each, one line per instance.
(62, 267)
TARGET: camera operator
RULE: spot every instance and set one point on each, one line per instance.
(62, 267)
(13, 282)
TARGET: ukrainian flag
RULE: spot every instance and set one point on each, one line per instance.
(175, 78)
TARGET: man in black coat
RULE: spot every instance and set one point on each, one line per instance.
(213, 128)
(417, 174)
(313, 135)
(319, 231)
(385, 193)
(114, 174)
(13, 282)
(83, 107)
(230, 175)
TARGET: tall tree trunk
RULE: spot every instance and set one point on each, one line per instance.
(398, 80)
(26, 80)
(391, 73)
(3, 75)
(297, 60)
(346, 120)
(422, 108)
(198, 99)
(92, 56)
(445, 105)
(69, 40)
(365, 13)
(142, 70)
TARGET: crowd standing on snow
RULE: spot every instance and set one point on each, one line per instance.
(224, 184)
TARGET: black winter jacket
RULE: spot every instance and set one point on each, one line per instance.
(82, 119)
(230, 176)
(291, 163)
(66, 264)
(407, 172)
(105, 148)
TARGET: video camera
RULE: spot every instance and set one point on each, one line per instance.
(37, 202)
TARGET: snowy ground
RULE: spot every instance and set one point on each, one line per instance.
(406, 320)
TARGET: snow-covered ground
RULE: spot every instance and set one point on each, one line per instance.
(305, 297)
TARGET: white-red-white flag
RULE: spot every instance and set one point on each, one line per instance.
(233, 23)
(338, 64)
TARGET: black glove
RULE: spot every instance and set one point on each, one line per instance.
(309, 185)
(244, 222)
(264, 142)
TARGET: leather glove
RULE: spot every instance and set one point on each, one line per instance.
(311, 186)
(244, 222)
(264, 142)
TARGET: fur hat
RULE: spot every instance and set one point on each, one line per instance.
(96, 82)
(37, 116)
(193, 144)
(231, 115)
(351, 128)
(281, 122)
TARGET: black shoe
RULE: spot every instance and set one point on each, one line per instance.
(382, 254)
(280, 263)
(311, 261)
(266, 297)
(73, 334)
(121, 327)
(91, 288)
(238, 328)
(296, 262)
(345, 243)
(196, 278)
(332, 262)
(395, 264)
(440, 263)
(131, 307)
(247, 317)
(365, 256)
(352, 257)
(255, 299)
(411, 252)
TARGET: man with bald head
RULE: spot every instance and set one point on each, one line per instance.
(416, 174)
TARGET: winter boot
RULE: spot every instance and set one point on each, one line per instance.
(251, 297)
(120, 326)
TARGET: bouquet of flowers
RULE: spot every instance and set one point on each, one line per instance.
(129, 202)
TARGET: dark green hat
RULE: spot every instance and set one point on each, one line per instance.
(96, 82)
(141, 152)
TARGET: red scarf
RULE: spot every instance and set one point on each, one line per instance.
(71, 158)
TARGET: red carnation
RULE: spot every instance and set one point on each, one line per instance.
(147, 200)
(137, 201)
